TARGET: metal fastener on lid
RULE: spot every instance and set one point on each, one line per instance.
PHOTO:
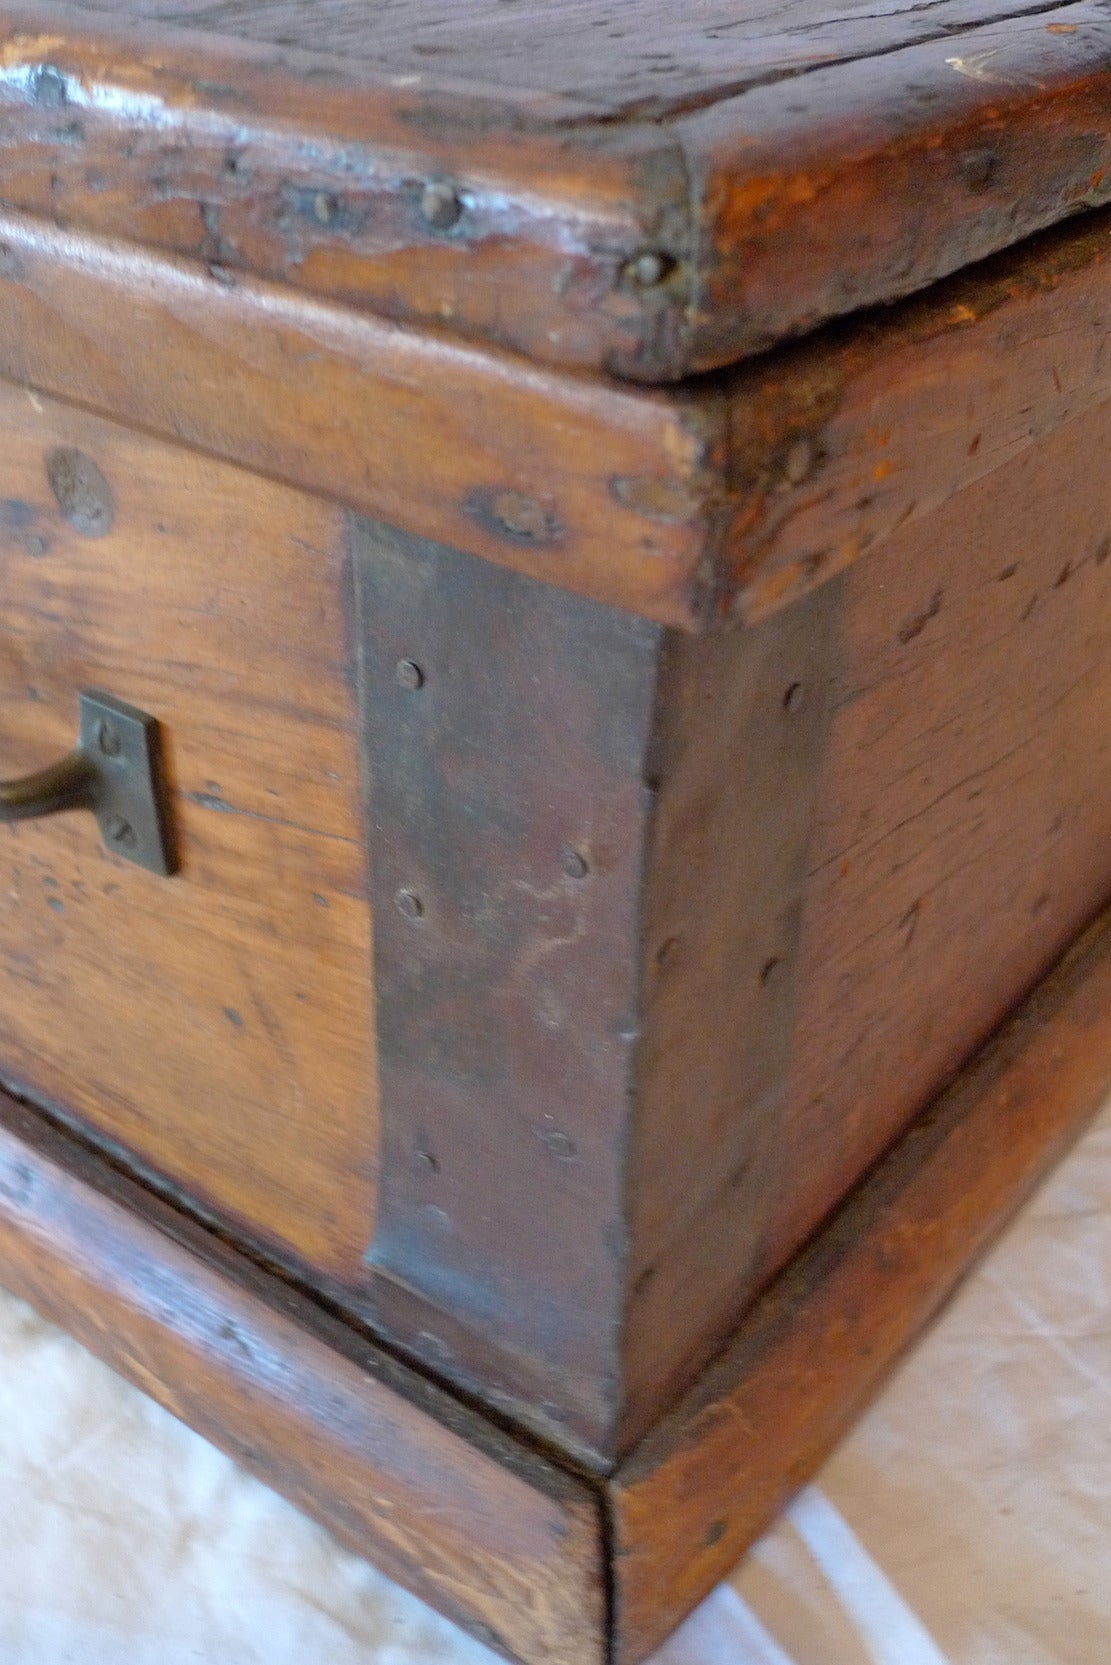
(440, 205)
(649, 268)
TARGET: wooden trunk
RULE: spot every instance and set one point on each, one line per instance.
(635, 835)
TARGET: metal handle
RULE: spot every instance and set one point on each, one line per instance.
(115, 771)
(69, 784)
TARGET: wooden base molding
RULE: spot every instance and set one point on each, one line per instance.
(545, 1564)
(493, 1535)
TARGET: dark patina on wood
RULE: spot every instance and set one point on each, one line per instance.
(743, 727)
(708, 506)
(650, 194)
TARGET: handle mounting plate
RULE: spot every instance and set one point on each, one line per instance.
(128, 793)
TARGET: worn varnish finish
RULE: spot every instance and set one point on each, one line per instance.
(654, 61)
(705, 508)
(806, 1360)
(863, 182)
(307, 167)
(839, 443)
(763, 161)
(500, 1539)
(604, 490)
(959, 838)
(219, 1024)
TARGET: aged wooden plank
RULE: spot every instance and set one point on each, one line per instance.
(859, 183)
(843, 441)
(625, 496)
(651, 59)
(498, 213)
(597, 488)
(707, 1480)
(958, 836)
(493, 1535)
(963, 826)
(628, 497)
(219, 1024)
(652, 195)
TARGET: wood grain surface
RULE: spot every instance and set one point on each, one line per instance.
(868, 428)
(860, 183)
(218, 1024)
(605, 490)
(872, 821)
(646, 192)
(495, 1536)
(721, 503)
(653, 59)
(712, 505)
(965, 758)
(963, 830)
(964, 642)
(805, 1362)
(312, 169)
(960, 837)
